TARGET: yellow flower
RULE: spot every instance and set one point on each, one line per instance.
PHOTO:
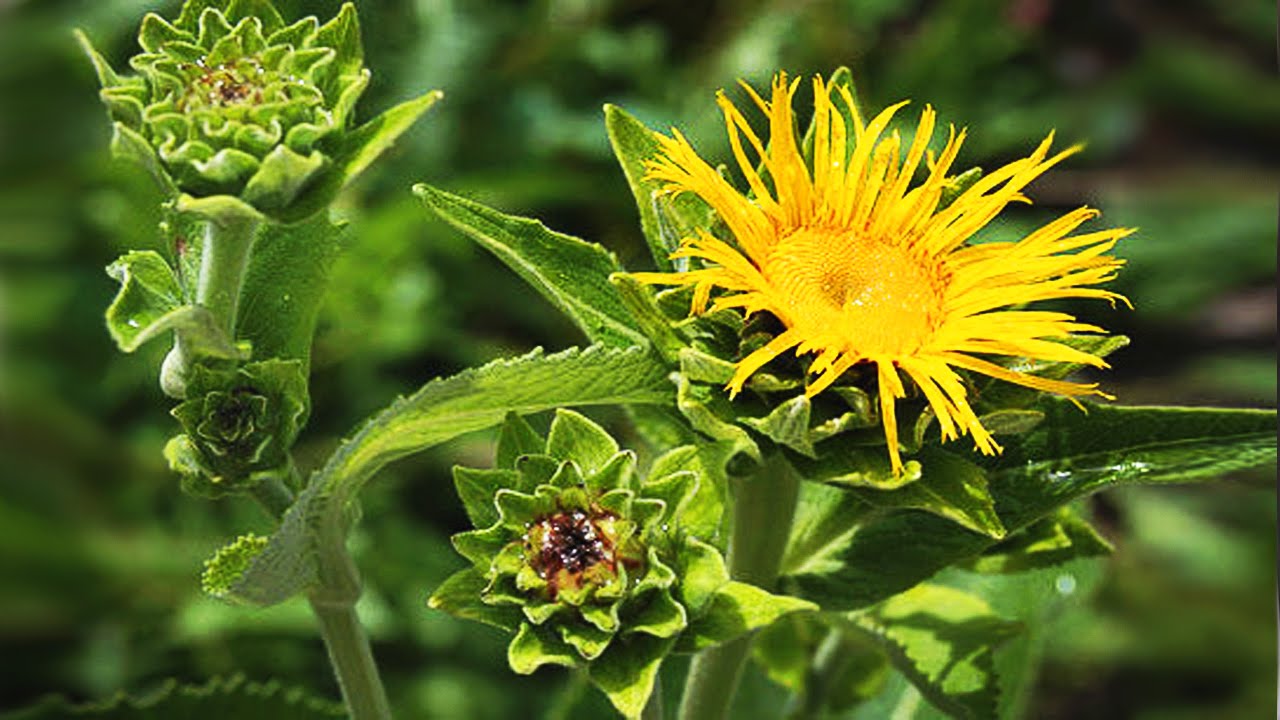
(860, 266)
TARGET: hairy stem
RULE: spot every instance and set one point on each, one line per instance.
(224, 258)
(763, 508)
(333, 601)
(653, 708)
(828, 662)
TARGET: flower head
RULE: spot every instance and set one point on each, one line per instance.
(230, 100)
(862, 264)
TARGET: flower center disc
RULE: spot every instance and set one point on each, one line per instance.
(868, 296)
(568, 545)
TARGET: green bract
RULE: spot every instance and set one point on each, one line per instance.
(239, 425)
(590, 565)
(230, 100)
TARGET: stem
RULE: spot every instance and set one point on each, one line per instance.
(224, 258)
(273, 495)
(763, 508)
(827, 663)
(653, 708)
(333, 601)
(352, 660)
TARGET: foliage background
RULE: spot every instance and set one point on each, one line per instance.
(100, 552)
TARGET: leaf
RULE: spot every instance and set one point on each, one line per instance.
(787, 424)
(574, 437)
(703, 516)
(1050, 541)
(664, 219)
(476, 488)
(651, 321)
(627, 671)
(825, 520)
(571, 273)
(442, 410)
(459, 595)
(705, 408)
(150, 303)
(942, 639)
(828, 669)
(360, 148)
(949, 486)
(233, 697)
(1069, 455)
(284, 286)
(734, 610)
(516, 439)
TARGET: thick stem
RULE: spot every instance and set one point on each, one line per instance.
(352, 660)
(653, 708)
(273, 495)
(763, 509)
(827, 663)
(333, 601)
(224, 258)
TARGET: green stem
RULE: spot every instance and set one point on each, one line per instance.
(763, 509)
(333, 601)
(352, 660)
(653, 708)
(224, 258)
(273, 495)
(827, 663)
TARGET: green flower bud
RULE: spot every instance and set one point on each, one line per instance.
(589, 564)
(239, 425)
(229, 100)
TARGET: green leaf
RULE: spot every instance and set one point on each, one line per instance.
(649, 318)
(735, 609)
(703, 515)
(228, 564)
(574, 437)
(1050, 541)
(949, 486)
(571, 273)
(442, 410)
(1069, 455)
(127, 144)
(476, 489)
(664, 220)
(705, 408)
(627, 671)
(517, 438)
(233, 697)
(827, 668)
(459, 595)
(942, 639)
(284, 287)
(150, 303)
(281, 176)
(826, 519)
(535, 646)
(360, 148)
(787, 424)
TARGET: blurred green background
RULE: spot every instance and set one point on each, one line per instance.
(100, 553)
